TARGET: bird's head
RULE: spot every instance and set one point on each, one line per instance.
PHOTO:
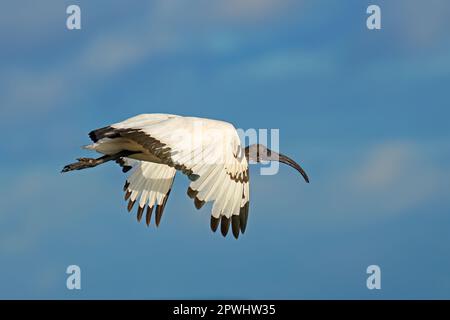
(259, 152)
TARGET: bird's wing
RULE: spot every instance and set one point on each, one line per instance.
(149, 185)
(227, 186)
(208, 152)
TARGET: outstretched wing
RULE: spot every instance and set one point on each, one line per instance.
(226, 184)
(149, 185)
(231, 201)
(207, 151)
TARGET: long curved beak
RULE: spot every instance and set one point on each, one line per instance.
(286, 160)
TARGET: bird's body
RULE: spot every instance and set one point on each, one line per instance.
(208, 151)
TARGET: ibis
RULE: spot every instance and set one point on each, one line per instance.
(208, 152)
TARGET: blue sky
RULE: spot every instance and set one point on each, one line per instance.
(365, 112)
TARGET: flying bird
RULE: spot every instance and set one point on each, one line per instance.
(208, 152)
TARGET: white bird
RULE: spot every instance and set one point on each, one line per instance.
(207, 151)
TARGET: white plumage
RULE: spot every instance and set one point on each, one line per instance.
(208, 151)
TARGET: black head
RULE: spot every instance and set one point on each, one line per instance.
(259, 152)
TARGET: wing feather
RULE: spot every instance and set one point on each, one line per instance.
(207, 151)
(151, 183)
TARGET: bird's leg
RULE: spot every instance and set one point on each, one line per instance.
(84, 163)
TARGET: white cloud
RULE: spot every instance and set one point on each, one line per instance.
(37, 23)
(32, 91)
(391, 178)
(253, 10)
(360, 186)
(284, 64)
(167, 27)
(383, 166)
(39, 90)
(218, 12)
(418, 23)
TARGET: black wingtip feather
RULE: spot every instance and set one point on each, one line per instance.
(160, 208)
(193, 177)
(130, 205)
(214, 223)
(235, 225)
(158, 214)
(224, 226)
(243, 217)
(148, 215)
(140, 213)
(191, 193)
(198, 203)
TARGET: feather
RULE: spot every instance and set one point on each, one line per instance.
(225, 225)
